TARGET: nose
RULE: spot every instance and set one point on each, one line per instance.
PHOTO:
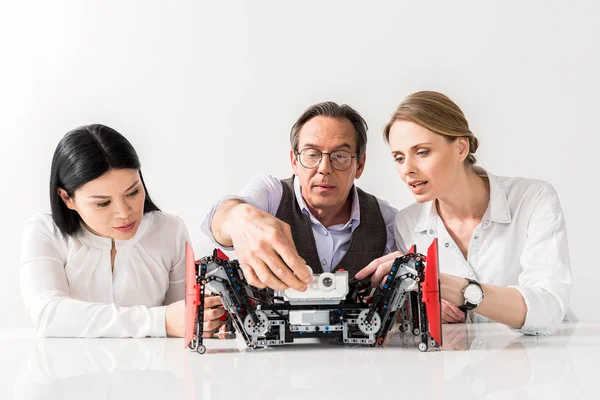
(325, 167)
(123, 209)
(410, 167)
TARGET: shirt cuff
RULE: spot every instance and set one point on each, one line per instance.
(157, 321)
(538, 320)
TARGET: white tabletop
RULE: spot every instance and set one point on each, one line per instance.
(495, 362)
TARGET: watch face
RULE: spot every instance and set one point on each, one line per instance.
(473, 294)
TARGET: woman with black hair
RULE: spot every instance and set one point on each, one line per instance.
(107, 262)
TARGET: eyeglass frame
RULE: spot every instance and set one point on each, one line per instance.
(321, 159)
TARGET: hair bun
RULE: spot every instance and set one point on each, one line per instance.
(473, 144)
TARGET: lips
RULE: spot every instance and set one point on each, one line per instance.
(323, 186)
(416, 183)
(125, 228)
(417, 186)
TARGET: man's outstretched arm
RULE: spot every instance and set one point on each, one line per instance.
(262, 242)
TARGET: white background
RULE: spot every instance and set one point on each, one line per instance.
(207, 92)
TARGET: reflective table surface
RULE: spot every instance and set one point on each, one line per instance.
(478, 361)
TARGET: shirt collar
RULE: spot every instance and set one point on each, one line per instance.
(354, 215)
(426, 220)
(498, 209)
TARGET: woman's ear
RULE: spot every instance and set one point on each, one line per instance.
(463, 148)
(68, 200)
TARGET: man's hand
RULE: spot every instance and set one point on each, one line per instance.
(451, 314)
(213, 311)
(264, 247)
(378, 268)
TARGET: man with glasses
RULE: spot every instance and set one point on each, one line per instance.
(318, 217)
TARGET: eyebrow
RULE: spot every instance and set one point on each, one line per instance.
(415, 146)
(343, 145)
(108, 197)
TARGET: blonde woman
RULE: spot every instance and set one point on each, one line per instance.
(502, 241)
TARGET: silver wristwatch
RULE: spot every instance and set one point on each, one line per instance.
(473, 294)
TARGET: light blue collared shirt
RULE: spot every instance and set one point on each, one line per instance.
(265, 192)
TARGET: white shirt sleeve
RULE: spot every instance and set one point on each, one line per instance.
(545, 282)
(45, 291)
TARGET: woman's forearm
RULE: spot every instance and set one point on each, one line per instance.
(501, 304)
(61, 316)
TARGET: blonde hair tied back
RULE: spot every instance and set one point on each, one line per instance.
(436, 112)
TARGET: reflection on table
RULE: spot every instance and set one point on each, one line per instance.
(102, 369)
(478, 360)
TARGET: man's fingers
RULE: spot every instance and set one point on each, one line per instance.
(390, 257)
(251, 277)
(297, 265)
(368, 270)
(378, 275)
(381, 272)
(287, 234)
(265, 275)
(373, 265)
(283, 273)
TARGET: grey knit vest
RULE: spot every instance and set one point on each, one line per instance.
(368, 239)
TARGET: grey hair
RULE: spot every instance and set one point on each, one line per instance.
(332, 110)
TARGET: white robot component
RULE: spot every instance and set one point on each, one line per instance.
(326, 288)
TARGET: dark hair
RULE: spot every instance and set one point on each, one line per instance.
(81, 156)
(332, 110)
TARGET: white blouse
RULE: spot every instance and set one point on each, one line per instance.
(521, 242)
(69, 288)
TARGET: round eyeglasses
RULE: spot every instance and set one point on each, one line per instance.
(311, 158)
